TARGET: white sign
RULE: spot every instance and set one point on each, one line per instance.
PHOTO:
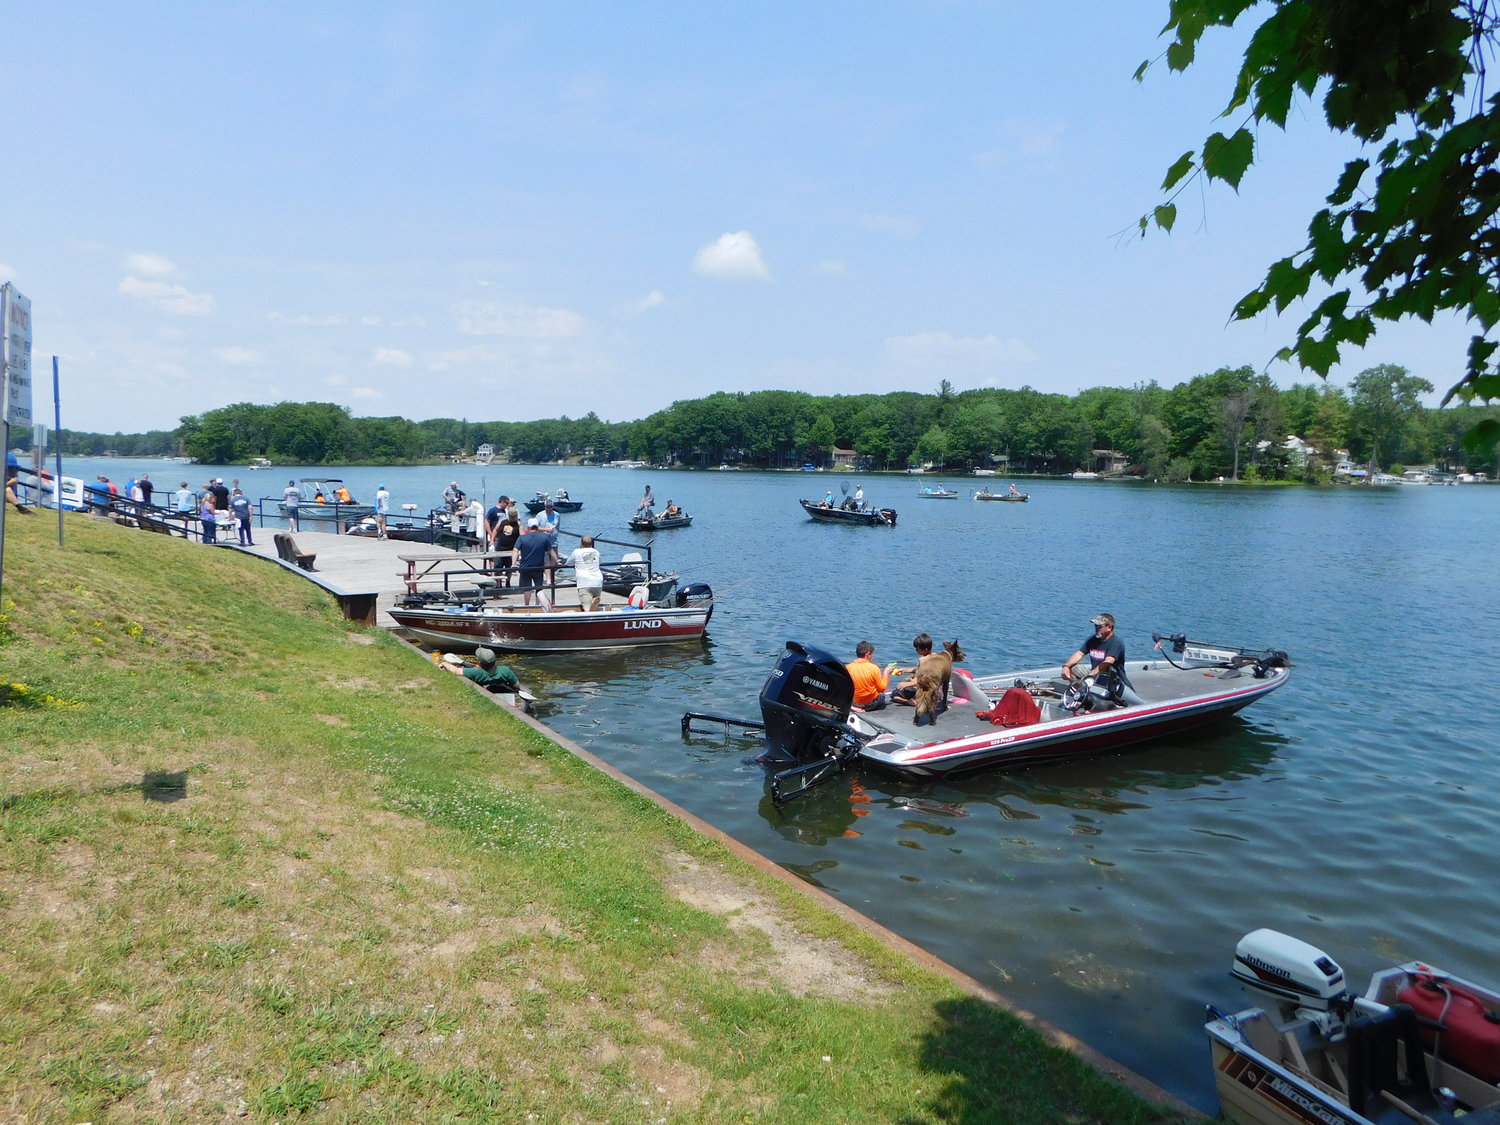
(17, 341)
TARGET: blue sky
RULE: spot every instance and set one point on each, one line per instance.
(504, 211)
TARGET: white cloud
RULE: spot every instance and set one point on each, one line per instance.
(152, 265)
(304, 320)
(169, 298)
(392, 357)
(1023, 142)
(650, 301)
(237, 357)
(929, 348)
(829, 267)
(732, 257)
(365, 393)
(524, 322)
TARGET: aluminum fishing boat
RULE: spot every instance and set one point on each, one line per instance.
(1007, 720)
(937, 492)
(1011, 497)
(660, 523)
(1419, 1046)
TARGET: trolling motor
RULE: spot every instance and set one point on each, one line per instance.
(1260, 661)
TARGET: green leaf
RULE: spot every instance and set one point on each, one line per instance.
(1166, 215)
(1317, 355)
(1349, 179)
(1227, 158)
(1286, 282)
(1180, 55)
(1182, 166)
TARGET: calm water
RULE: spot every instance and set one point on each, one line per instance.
(1355, 808)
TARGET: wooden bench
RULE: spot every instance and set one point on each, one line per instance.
(287, 548)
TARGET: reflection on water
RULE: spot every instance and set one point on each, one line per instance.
(1354, 808)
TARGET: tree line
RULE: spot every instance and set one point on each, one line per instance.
(1229, 423)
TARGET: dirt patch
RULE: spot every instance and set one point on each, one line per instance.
(799, 964)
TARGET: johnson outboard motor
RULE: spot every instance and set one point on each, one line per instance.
(805, 704)
(1293, 980)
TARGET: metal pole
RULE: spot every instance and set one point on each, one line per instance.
(57, 482)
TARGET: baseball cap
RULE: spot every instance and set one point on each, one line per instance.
(1103, 619)
(532, 522)
(485, 655)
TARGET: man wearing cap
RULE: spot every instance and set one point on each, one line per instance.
(549, 520)
(291, 500)
(534, 550)
(1105, 653)
(221, 494)
(382, 509)
(488, 674)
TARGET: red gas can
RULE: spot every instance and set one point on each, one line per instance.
(1470, 1034)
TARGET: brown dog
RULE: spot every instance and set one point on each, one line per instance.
(933, 671)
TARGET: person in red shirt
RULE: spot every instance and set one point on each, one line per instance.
(870, 683)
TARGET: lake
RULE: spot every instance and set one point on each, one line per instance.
(1355, 808)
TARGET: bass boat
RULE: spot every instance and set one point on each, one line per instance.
(1006, 720)
(560, 502)
(849, 512)
(660, 523)
(1419, 1046)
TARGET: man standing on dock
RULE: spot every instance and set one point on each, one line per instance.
(382, 510)
(291, 499)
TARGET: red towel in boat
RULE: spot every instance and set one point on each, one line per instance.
(1015, 709)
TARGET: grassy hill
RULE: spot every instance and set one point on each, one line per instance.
(258, 863)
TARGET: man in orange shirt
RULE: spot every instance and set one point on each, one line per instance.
(870, 683)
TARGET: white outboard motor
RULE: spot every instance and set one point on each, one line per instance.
(1293, 981)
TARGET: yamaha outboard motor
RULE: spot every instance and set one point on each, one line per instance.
(805, 704)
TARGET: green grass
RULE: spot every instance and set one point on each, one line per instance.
(257, 863)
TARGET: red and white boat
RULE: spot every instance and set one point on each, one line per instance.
(1006, 720)
(504, 623)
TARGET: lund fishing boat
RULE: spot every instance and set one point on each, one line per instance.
(468, 600)
(1007, 720)
(500, 620)
(1419, 1046)
(862, 514)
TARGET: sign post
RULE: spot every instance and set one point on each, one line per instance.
(15, 365)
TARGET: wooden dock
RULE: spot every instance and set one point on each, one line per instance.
(356, 564)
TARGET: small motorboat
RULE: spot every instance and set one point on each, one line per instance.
(560, 502)
(937, 492)
(1011, 497)
(661, 523)
(1008, 720)
(1419, 1046)
(330, 507)
(849, 512)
